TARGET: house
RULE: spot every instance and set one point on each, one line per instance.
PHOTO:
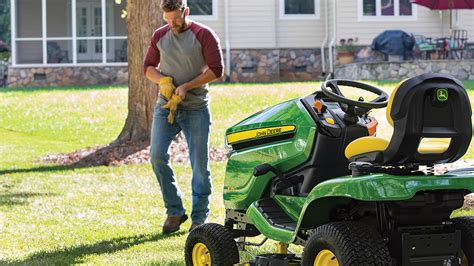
(60, 42)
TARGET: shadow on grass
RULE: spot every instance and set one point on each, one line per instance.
(51, 168)
(101, 156)
(76, 254)
(10, 199)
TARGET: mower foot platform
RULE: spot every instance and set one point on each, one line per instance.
(275, 216)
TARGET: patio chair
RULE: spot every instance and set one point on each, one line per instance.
(457, 43)
(424, 46)
(121, 54)
(56, 54)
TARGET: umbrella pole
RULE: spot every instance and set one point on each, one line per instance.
(441, 22)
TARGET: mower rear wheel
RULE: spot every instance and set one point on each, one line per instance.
(345, 243)
(466, 225)
(211, 244)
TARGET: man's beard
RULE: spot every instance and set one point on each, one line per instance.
(179, 29)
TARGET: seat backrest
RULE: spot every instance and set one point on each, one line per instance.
(428, 106)
(458, 39)
(53, 48)
(419, 39)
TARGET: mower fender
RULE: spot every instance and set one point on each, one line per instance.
(374, 187)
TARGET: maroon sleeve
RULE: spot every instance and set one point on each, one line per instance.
(211, 49)
(152, 57)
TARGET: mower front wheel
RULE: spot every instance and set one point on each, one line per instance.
(345, 243)
(466, 225)
(211, 244)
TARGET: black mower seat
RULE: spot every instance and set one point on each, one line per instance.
(431, 117)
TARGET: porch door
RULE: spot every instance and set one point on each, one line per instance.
(89, 24)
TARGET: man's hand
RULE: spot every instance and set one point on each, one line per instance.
(167, 87)
(182, 90)
(172, 104)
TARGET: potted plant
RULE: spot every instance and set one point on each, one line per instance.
(4, 51)
(346, 51)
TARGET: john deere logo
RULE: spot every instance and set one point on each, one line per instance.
(442, 95)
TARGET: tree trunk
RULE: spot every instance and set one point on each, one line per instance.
(143, 17)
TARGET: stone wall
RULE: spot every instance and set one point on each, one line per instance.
(66, 76)
(461, 69)
(300, 65)
(253, 65)
(264, 65)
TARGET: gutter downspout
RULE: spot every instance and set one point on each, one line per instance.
(331, 44)
(227, 40)
(323, 44)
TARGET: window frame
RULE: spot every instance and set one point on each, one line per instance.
(315, 16)
(378, 16)
(74, 38)
(212, 17)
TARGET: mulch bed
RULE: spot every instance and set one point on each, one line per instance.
(139, 153)
(117, 154)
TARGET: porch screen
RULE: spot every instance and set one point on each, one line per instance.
(28, 32)
(200, 7)
(50, 32)
(58, 32)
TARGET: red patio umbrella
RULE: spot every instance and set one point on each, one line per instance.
(445, 4)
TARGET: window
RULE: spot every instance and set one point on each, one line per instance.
(203, 9)
(66, 32)
(380, 10)
(299, 9)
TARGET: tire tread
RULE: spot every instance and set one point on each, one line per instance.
(218, 239)
(358, 244)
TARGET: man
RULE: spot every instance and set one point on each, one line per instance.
(185, 54)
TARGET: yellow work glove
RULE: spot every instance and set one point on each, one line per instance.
(166, 87)
(172, 104)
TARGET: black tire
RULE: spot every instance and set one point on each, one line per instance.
(352, 243)
(466, 225)
(219, 242)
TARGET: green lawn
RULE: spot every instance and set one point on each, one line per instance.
(103, 215)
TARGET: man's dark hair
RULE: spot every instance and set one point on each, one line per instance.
(173, 5)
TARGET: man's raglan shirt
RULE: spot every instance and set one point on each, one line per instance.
(184, 56)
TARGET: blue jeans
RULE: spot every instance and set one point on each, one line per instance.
(195, 125)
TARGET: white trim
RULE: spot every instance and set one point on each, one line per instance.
(59, 38)
(13, 30)
(29, 39)
(89, 38)
(74, 32)
(378, 16)
(212, 17)
(315, 16)
(70, 65)
(43, 27)
(116, 38)
(227, 39)
(104, 29)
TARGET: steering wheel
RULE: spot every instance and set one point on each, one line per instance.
(352, 107)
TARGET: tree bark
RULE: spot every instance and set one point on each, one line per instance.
(143, 17)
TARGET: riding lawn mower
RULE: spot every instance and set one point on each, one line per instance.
(312, 172)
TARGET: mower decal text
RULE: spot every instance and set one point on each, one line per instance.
(258, 133)
(268, 132)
